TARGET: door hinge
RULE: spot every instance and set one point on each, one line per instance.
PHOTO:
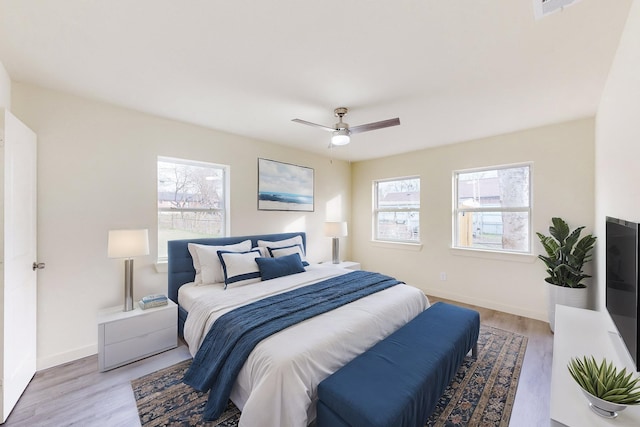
(37, 266)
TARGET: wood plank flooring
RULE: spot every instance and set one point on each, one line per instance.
(77, 394)
(531, 406)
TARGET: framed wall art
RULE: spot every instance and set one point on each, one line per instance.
(284, 187)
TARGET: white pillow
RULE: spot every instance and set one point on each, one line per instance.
(239, 267)
(287, 250)
(264, 252)
(297, 240)
(196, 263)
(208, 268)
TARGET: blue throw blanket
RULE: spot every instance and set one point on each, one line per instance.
(234, 335)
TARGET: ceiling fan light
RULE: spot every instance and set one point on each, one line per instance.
(340, 137)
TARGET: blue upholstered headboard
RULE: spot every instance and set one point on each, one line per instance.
(181, 269)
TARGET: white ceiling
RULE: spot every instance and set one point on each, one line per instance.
(452, 70)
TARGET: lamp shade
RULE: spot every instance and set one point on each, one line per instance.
(335, 229)
(128, 243)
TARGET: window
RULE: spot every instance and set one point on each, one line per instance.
(542, 8)
(193, 201)
(396, 210)
(492, 209)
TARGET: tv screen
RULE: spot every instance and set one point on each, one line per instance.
(622, 281)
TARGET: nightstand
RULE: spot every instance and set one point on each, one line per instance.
(351, 265)
(127, 336)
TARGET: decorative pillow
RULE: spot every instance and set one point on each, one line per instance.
(297, 240)
(196, 263)
(263, 251)
(288, 250)
(207, 263)
(239, 267)
(270, 268)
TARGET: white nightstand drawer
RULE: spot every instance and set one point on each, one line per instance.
(147, 321)
(127, 336)
(139, 347)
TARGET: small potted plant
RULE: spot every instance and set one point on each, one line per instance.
(566, 255)
(608, 390)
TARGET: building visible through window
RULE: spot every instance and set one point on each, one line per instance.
(492, 209)
(397, 210)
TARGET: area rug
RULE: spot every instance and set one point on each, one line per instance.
(481, 394)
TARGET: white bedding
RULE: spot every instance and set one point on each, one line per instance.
(277, 385)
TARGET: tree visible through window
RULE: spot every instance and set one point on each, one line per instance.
(397, 210)
(493, 209)
(192, 201)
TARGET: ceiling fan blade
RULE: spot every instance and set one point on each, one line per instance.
(304, 122)
(375, 125)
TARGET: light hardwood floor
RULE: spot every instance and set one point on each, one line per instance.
(77, 394)
(531, 406)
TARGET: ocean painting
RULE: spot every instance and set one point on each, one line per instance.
(284, 187)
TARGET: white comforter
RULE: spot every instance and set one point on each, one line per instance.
(277, 385)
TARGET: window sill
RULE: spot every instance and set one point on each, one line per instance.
(488, 254)
(397, 245)
(162, 266)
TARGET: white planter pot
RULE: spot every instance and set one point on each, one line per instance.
(573, 297)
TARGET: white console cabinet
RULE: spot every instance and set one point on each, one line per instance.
(580, 332)
(127, 336)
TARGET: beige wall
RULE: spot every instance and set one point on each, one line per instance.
(563, 185)
(97, 171)
(5, 88)
(618, 139)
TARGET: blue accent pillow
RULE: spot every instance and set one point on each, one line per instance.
(270, 268)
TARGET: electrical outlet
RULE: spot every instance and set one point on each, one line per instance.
(443, 275)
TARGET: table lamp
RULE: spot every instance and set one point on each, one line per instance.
(128, 244)
(335, 230)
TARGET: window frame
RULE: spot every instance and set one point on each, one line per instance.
(456, 209)
(225, 211)
(377, 210)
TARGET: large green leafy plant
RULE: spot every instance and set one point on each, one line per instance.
(566, 254)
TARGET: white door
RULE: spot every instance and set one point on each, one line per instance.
(17, 254)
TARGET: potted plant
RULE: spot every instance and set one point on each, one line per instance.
(566, 255)
(608, 390)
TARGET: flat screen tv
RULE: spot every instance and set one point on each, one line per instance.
(622, 298)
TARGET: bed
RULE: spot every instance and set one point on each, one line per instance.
(277, 384)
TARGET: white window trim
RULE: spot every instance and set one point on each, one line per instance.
(376, 210)
(162, 261)
(456, 210)
(394, 244)
(541, 8)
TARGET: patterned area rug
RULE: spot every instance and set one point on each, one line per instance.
(481, 394)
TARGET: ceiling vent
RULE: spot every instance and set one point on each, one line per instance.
(542, 8)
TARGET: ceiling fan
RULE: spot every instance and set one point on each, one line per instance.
(342, 132)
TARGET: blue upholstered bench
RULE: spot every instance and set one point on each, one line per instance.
(397, 382)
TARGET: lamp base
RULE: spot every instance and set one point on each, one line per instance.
(335, 251)
(128, 284)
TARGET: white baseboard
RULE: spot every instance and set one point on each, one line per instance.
(67, 356)
(518, 311)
